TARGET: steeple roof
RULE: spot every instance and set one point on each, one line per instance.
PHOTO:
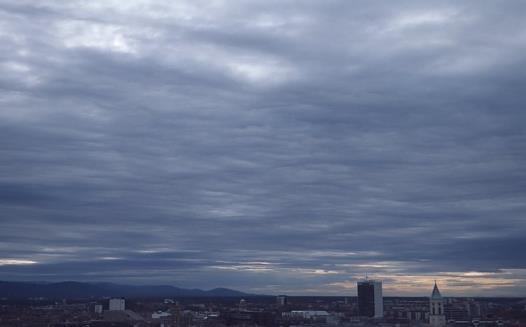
(436, 293)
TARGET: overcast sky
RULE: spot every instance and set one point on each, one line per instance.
(266, 146)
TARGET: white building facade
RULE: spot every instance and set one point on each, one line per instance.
(117, 304)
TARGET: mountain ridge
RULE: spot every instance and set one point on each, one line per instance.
(75, 289)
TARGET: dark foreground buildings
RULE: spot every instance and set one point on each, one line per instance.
(267, 311)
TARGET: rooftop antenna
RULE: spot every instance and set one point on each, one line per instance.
(365, 275)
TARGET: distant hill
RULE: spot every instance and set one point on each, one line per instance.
(87, 290)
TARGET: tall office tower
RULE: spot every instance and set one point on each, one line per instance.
(117, 304)
(370, 300)
(437, 317)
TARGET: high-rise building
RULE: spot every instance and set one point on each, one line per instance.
(117, 304)
(437, 317)
(370, 300)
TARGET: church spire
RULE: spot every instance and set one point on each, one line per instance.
(437, 318)
(436, 293)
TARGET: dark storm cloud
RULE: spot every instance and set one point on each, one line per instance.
(267, 146)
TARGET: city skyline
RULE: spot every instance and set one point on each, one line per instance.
(265, 146)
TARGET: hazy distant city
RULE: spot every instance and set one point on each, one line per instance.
(224, 307)
(186, 163)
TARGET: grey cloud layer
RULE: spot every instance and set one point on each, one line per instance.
(263, 145)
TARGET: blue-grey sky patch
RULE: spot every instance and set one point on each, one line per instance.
(267, 146)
